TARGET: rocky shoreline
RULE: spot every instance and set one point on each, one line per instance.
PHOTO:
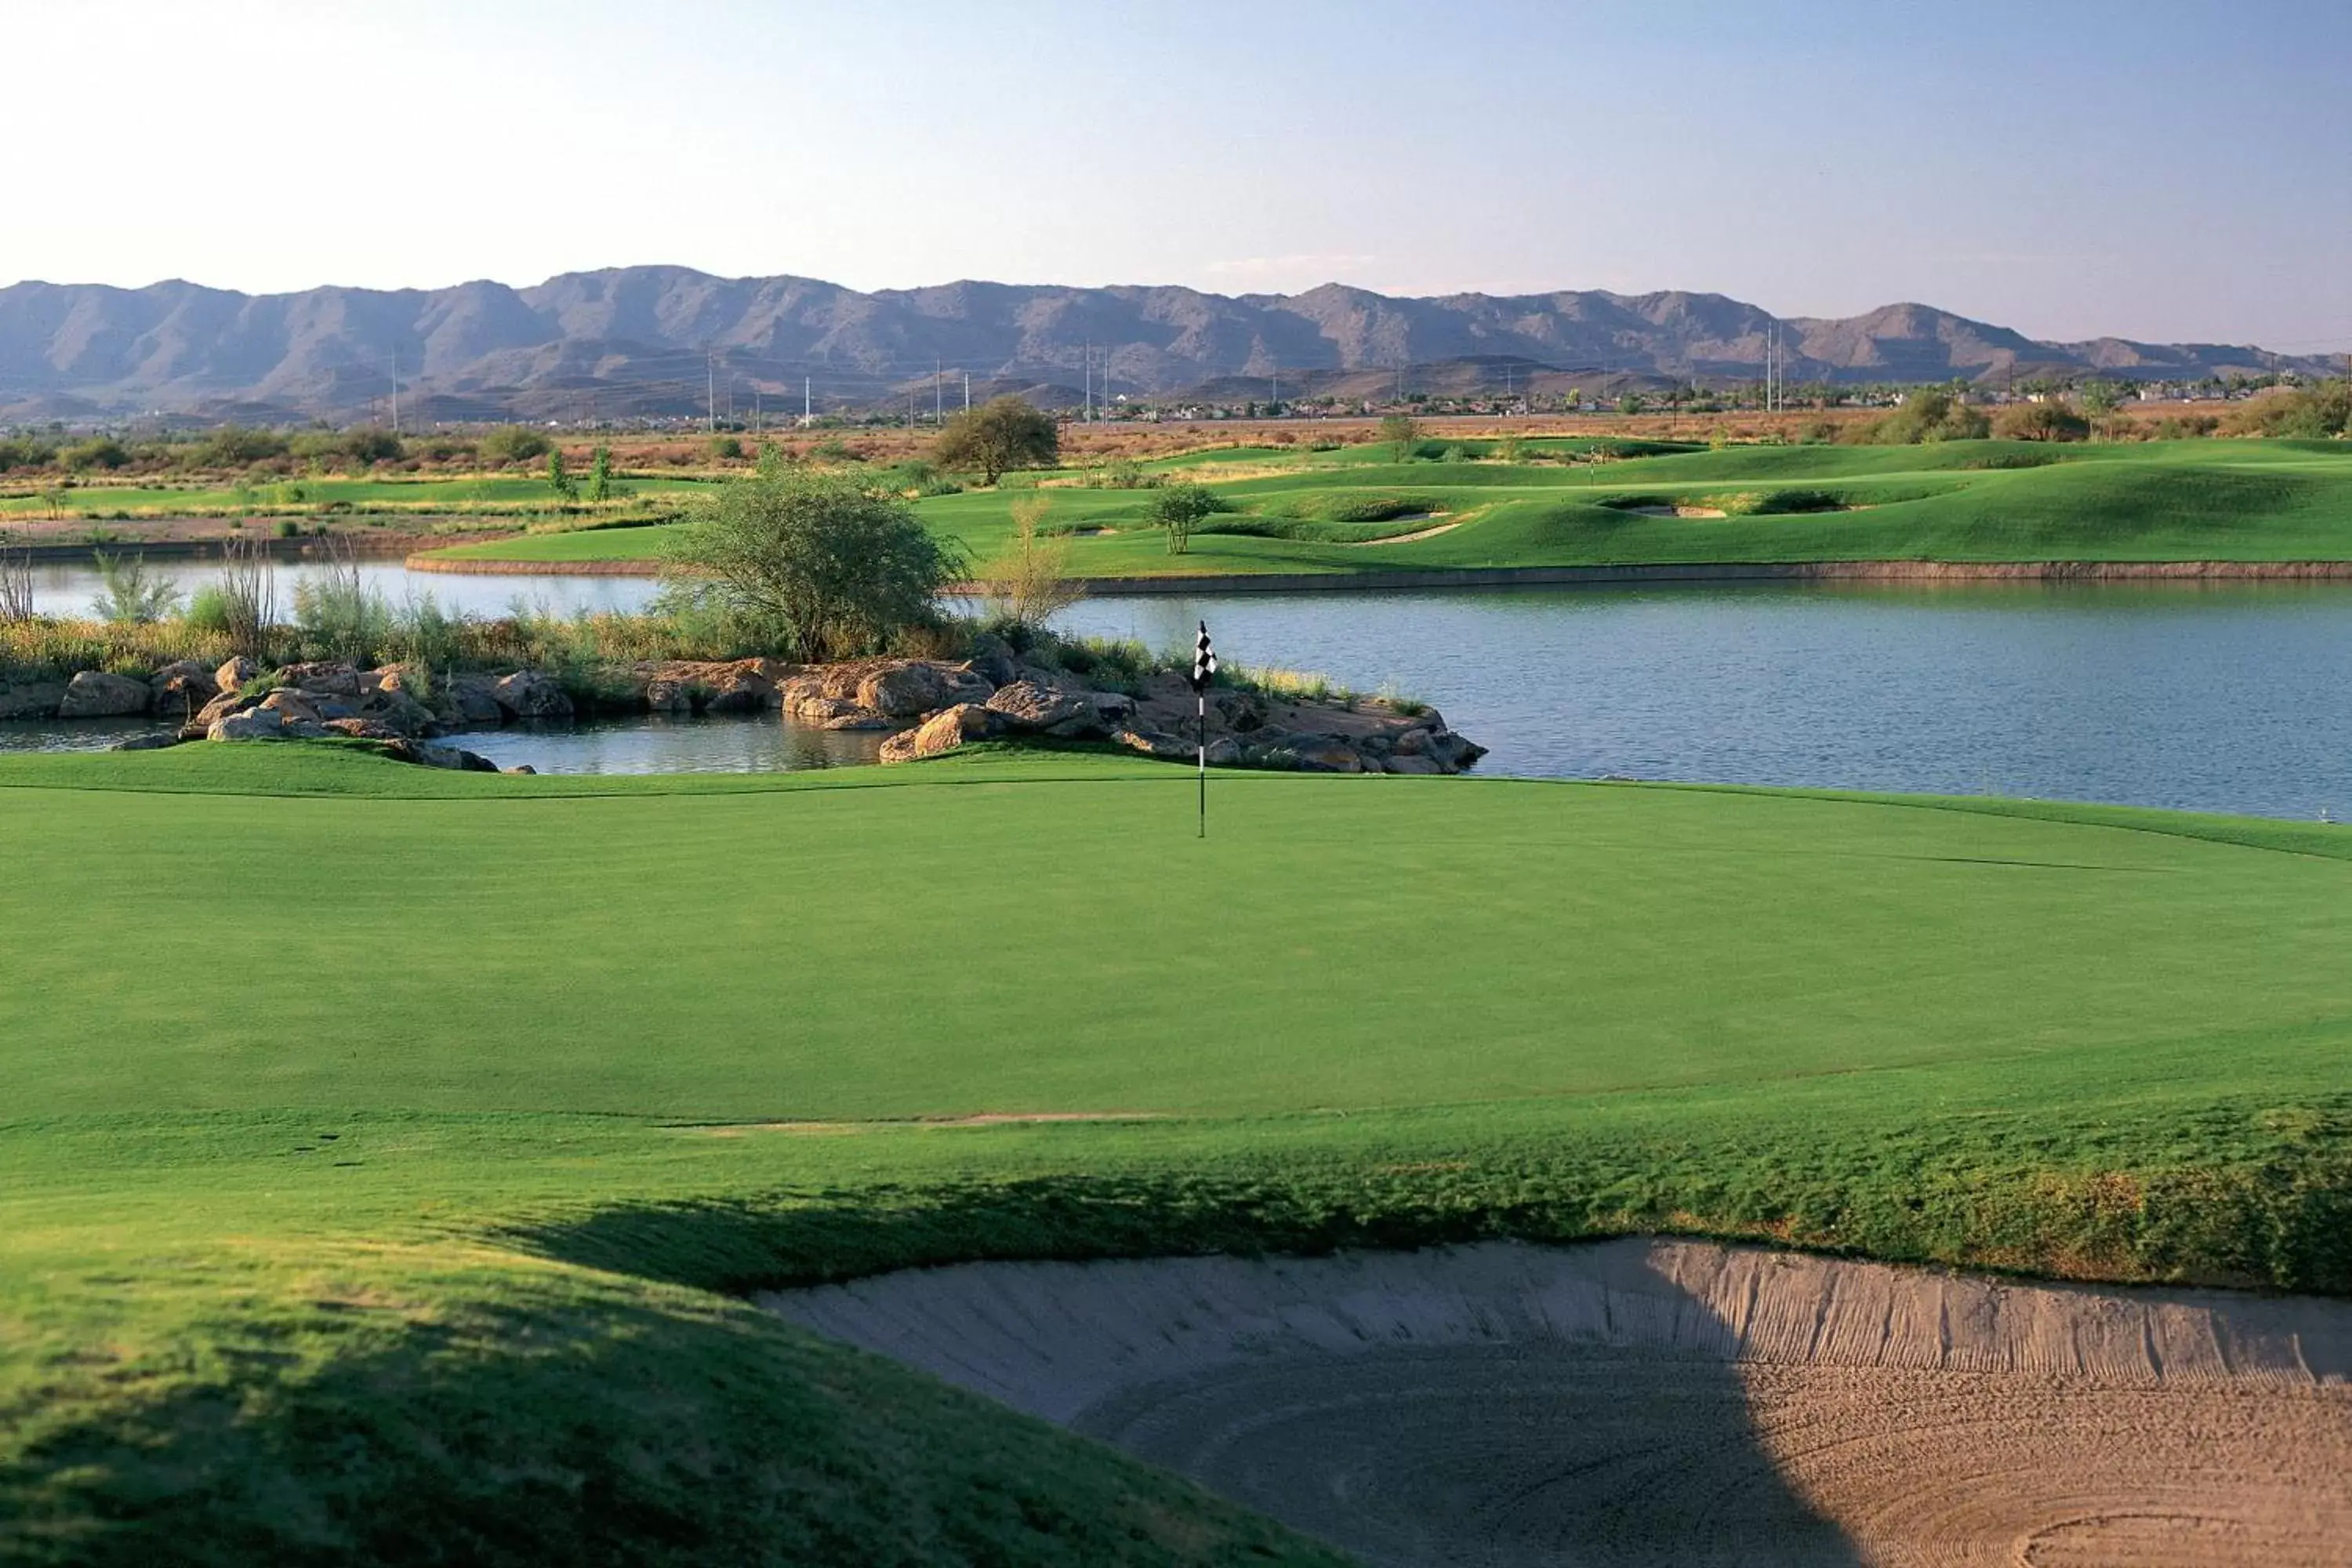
(929, 707)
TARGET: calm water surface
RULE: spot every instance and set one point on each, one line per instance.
(2228, 698)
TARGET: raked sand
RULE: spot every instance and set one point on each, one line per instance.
(1640, 1401)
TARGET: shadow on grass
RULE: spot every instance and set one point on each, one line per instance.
(541, 1416)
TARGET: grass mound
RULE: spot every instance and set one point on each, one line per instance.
(381, 1143)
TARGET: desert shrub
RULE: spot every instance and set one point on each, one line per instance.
(207, 609)
(25, 452)
(1121, 474)
(1401, 434)
(916, 477)
(834, 450)
(128, 596)
(233, 447)
(2314, 414)
(512, 444)
(834, 568)
(2184, 426)
(1929, 413)
(372, 445)
(1030, 582)
(98, 452)
(2051, 421)
(724, 449)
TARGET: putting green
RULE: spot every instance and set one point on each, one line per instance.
(374, 1139)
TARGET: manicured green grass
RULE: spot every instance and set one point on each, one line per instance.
(375, 1138)
(486, 492)
(1961, 501)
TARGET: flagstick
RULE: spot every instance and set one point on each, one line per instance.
(1203, 698)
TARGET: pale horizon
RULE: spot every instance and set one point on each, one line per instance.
(2168, 172)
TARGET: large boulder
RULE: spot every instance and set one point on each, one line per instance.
(1409, 764)
(528, 694)
(903, 691)
(253, 724)
(1027, 705)
(229, 701)
(149, 742)
(471, 699)
(991, 660)
(236, 674)
(94, 694)
(941, 733)
(181, 688)
(31, 698)
(1451, 752)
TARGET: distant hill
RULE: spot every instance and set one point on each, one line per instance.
(651, 341)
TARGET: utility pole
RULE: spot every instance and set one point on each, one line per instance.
(395, 392)
(939, 394)
(1087, 355)
(966, 392)
(709, 389)
(807, 408)
(759, 423)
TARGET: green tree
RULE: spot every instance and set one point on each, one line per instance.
(558, 479)
(600, 474)
(1402, 434)
(2099, 398)
(370, 446)
(1001, 435)
(1178, 509)
(822, 567)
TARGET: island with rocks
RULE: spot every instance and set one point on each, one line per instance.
(928, 707)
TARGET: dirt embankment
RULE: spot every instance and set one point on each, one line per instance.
(1670, 1402)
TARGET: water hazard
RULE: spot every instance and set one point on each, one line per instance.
(2233, 698)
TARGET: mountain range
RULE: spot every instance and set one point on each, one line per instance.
(650, 342)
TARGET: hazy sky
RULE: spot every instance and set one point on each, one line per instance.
(2150, 169)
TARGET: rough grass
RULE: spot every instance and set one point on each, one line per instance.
(1963, 501)
(378, 1141)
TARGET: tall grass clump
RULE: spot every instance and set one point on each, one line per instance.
(338, 616)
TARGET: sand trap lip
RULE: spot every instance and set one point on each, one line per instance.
(1446, 527)
(1656, 1402)
(978, 1119)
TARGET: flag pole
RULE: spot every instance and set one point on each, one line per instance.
(1205, 671)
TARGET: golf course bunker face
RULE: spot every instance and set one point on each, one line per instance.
(1639, 1402)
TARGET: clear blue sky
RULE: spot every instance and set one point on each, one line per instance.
(2158, 170)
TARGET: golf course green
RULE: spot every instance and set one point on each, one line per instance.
(383, 1153)
(1569, 504)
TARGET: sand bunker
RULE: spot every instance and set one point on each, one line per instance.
(1642, 1402)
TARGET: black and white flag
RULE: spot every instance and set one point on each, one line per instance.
(1204, 661)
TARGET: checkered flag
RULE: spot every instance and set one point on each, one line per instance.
(1204, 661)
(1205, 671)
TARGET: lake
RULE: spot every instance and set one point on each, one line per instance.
(2235, 698)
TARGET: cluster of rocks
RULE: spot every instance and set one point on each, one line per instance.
(931, 705)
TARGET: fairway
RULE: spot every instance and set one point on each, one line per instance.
(1358, 510)
(360, 1097)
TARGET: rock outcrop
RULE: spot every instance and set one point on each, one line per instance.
(933, 705)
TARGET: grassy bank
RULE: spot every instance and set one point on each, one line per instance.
(377, 1139)
(1571, 504)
